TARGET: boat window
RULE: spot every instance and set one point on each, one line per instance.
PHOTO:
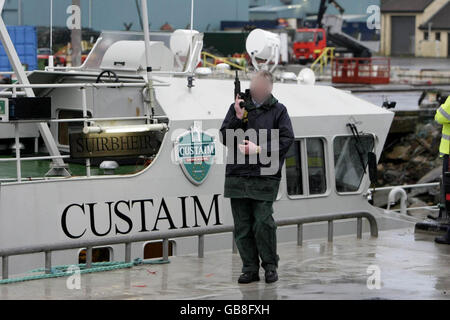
(347, 162)
(101, 254)
(63, 127)
(313, 167)
(294, 170)
(154, 249)
(316, 166)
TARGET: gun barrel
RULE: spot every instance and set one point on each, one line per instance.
(237, 85)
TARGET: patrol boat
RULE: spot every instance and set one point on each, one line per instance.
(141, 97)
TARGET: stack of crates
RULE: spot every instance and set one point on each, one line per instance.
(24, 39)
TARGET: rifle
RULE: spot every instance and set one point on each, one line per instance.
(242, 95)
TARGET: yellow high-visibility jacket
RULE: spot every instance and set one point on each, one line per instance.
(443, 117)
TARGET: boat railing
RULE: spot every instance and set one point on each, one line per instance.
(410, 186)
(127, 241)
(85, 119)
(400, 189)
(83, 85)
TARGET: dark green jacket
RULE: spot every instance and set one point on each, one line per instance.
(245, 179)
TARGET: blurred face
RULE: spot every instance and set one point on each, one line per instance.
(260, 88)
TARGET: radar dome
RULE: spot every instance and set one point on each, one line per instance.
(306, 76)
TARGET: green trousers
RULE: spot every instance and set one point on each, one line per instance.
(255, 233)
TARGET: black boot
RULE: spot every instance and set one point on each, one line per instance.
(271, 276)
(248, 277)
(445, 239)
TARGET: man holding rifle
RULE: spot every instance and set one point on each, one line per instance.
(258, 133)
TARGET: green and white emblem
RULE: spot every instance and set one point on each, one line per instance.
(195, 150)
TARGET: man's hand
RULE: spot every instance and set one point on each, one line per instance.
(239, 111)
(249, 147)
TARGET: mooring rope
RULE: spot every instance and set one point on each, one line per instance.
(62, 270)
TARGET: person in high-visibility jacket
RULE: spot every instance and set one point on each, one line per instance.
(443, 117)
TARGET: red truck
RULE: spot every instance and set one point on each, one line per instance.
(308, 44)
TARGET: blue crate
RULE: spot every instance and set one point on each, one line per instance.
(24, 39)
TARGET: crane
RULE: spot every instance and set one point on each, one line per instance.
(323, 8)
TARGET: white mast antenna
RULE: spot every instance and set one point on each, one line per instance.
(50, 57)
(147, 58)
(51, 27)
(192, 25)
(146, 37)
(192, 16)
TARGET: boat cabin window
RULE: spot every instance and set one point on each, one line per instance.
(154, 249)
(102, 254)
(294, 170)
(316, 166)
(305, 167)
(348, 168)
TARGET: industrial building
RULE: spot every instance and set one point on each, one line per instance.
(415, 27)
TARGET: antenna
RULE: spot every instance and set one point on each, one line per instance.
(192, 26)
(192, 15)
(146, 37)
(149, 79)
(51, 27)
(139, 14)
(191, 50)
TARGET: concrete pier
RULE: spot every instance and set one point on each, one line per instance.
(410, 267)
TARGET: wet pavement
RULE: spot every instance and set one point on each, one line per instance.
(413, 63)
(409, 267)
(405, 94)
(421, 63)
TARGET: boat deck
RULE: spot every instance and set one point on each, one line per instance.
(411, 267)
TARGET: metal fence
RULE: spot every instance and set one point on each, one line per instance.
(47, 249)
(361, 70)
